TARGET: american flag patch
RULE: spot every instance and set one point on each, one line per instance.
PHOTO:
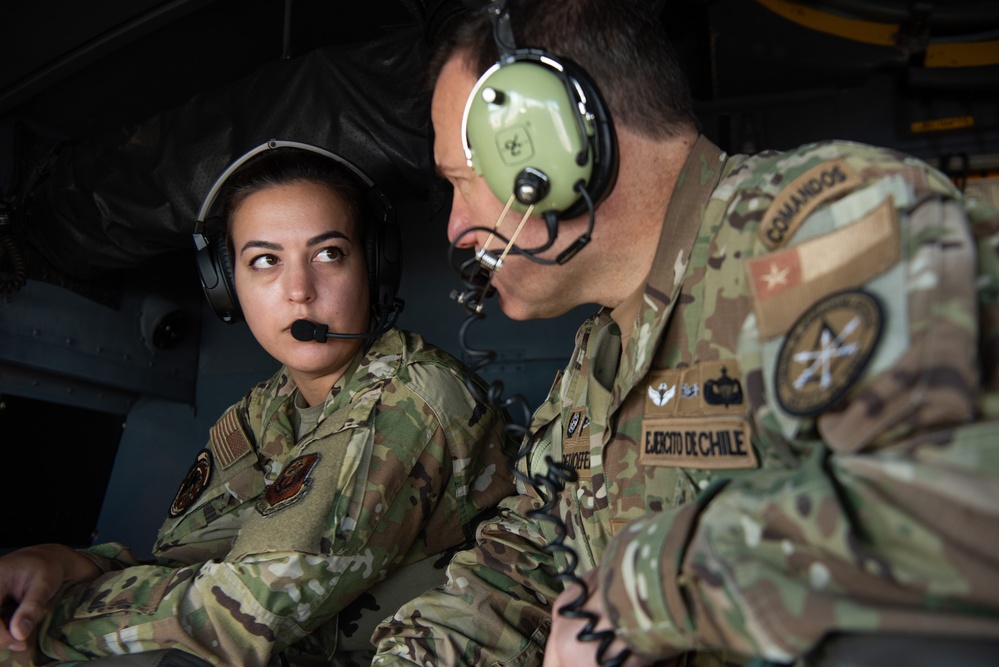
(228, 441)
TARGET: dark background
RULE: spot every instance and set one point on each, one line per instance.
(116, 116)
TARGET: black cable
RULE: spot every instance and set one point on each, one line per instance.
(12, 261)
(472, 271)
(286, 31)
(476, 288)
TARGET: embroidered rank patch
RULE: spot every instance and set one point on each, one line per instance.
(826, 351)
(228, 441)
(193, 485)
(290, 486)
(576, 443)
(786, 283)
(802, 196)
(720, 443)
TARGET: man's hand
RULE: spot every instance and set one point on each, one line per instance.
(564, 648)
(29, 578)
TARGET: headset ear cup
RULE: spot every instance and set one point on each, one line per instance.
(227, 304)
(515, 121)
(372, 242)
(384, 248)
(603, 143)
(217, 277)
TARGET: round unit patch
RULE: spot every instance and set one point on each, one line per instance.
(194, 483)
(826, 351)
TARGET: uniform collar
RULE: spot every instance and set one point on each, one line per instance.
(381, 360)
(698, 178)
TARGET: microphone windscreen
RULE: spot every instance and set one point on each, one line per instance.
(304, 330)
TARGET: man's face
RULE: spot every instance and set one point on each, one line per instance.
(525, 289)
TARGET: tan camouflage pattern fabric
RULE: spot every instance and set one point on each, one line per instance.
(407, 461)
(880, 511)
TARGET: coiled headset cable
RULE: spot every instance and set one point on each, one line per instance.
(476, 288)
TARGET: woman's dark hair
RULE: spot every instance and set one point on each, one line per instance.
(620, 43)
(284, 166)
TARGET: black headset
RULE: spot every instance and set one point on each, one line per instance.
(536, 127)
(383, 244)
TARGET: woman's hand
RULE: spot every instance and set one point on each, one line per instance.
(29, 578)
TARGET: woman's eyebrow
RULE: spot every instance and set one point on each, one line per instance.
(267, 245)
(315, 240)
(326, 236)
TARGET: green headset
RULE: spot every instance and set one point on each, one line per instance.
(536, 128)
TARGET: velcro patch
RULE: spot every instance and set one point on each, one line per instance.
(801, 196)
(576, 443)
(227, 440)
(826, 352)
(193, 485)
(705, 389)
(721, 443)
(788, 282)
(290, 486)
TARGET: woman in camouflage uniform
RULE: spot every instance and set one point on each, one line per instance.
(358, 457)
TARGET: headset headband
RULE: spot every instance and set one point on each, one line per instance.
(220, 182)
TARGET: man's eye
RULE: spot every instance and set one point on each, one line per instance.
(330, 254)
(263, 262)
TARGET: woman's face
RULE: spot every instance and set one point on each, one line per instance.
(298, 255)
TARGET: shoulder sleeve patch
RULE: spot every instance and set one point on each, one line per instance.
(801, 196)
(194, 483)
(786, 283)
(826, 352)
(228, 440)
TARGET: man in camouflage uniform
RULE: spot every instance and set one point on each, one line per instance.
(783, 418)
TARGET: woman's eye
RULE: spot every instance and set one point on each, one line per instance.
(263, 262)
(330, 254)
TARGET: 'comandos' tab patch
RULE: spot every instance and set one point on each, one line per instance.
(796, 202)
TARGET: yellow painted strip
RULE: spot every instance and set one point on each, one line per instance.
(969, 54)
(942, 124)
(868, 32)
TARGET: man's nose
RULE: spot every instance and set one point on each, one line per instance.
(458, 223)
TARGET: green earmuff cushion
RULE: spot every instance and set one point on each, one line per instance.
(521, 115)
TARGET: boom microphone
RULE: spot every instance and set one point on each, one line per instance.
(306, 331)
